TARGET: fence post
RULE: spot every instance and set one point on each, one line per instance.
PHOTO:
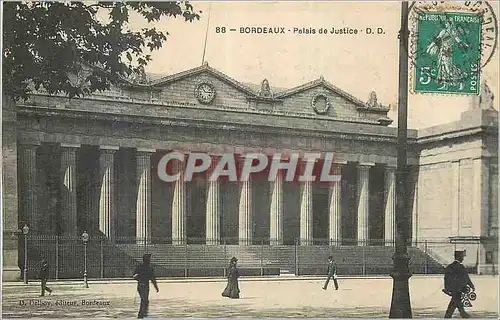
(225, 257)
(57, 257)
(185, 260)
(261, 258)
(102, 257)
(364, 260)
(296, 251)
(426, 259)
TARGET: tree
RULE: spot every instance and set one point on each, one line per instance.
(50, 44)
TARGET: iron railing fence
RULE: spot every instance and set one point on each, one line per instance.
(173, 258)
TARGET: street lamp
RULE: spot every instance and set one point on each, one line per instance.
(85, 238)
(26, 230)
(400, 304)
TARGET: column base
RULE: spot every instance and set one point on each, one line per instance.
(11, 274)
(362, 243)
(212, 242)
(245, 242)
(179, 242)
(306, 242)
(274, 242)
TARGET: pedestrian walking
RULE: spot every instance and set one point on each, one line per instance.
(232, 289)
(331, 274)
(143, 274)
(456, 282)
(44, 277)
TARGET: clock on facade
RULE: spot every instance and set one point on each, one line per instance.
(320, 103)
(204, 92)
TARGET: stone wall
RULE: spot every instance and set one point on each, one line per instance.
(455, 196)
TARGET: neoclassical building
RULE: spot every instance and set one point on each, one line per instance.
(91, 164)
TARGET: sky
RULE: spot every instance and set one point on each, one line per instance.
(357, 64)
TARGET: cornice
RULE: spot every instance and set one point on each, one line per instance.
(451, 135)
(206, 124)
(193, 106)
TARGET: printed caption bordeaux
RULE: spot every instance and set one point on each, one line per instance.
(302, 30)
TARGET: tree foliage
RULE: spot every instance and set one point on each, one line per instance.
(47, 43)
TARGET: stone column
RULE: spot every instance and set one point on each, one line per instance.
(276, 214)
(107, 199)
(28, 186)
(213, 208)
(10, 193)
(335, 208)
(306, 211)
(363, 202)
(179, 235)
(245, 224)
(143, 202)
(390, 205)
(69, 220)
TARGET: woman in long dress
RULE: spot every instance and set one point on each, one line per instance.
(443, 46)
(232, 289)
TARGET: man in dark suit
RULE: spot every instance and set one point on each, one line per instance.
(456, 280)
(44, 277)
(143, 273)
(332, 273)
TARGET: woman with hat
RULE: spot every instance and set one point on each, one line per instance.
(232, 289)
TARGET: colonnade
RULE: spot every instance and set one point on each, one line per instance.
(107, 200)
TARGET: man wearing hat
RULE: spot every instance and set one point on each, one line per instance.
(332, 274)
(44, 276)
(143, 273)
(456, 281)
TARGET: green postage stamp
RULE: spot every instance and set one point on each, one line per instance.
(447, 57)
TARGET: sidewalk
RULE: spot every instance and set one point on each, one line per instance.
(211, 279)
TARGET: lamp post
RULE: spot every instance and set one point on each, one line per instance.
(26, 230)
(400, 304)
(85, 238)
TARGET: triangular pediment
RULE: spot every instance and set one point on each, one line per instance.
(325, 85)
(204, 87)
(205, 69)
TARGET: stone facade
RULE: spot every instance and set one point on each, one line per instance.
(90, 164)
(456, 193)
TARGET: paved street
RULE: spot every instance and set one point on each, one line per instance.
(357, 297)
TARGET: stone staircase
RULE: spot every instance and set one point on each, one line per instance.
(119, 260)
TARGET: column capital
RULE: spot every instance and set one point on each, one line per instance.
(108, 148)
(390, 167)
(339, 162)
(366, 164)
(33, 144)
(145, 150)
(70, 145)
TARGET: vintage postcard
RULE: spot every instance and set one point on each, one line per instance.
(250, 159)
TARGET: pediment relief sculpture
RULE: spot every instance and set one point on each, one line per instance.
(265, 89)
(372, 100)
